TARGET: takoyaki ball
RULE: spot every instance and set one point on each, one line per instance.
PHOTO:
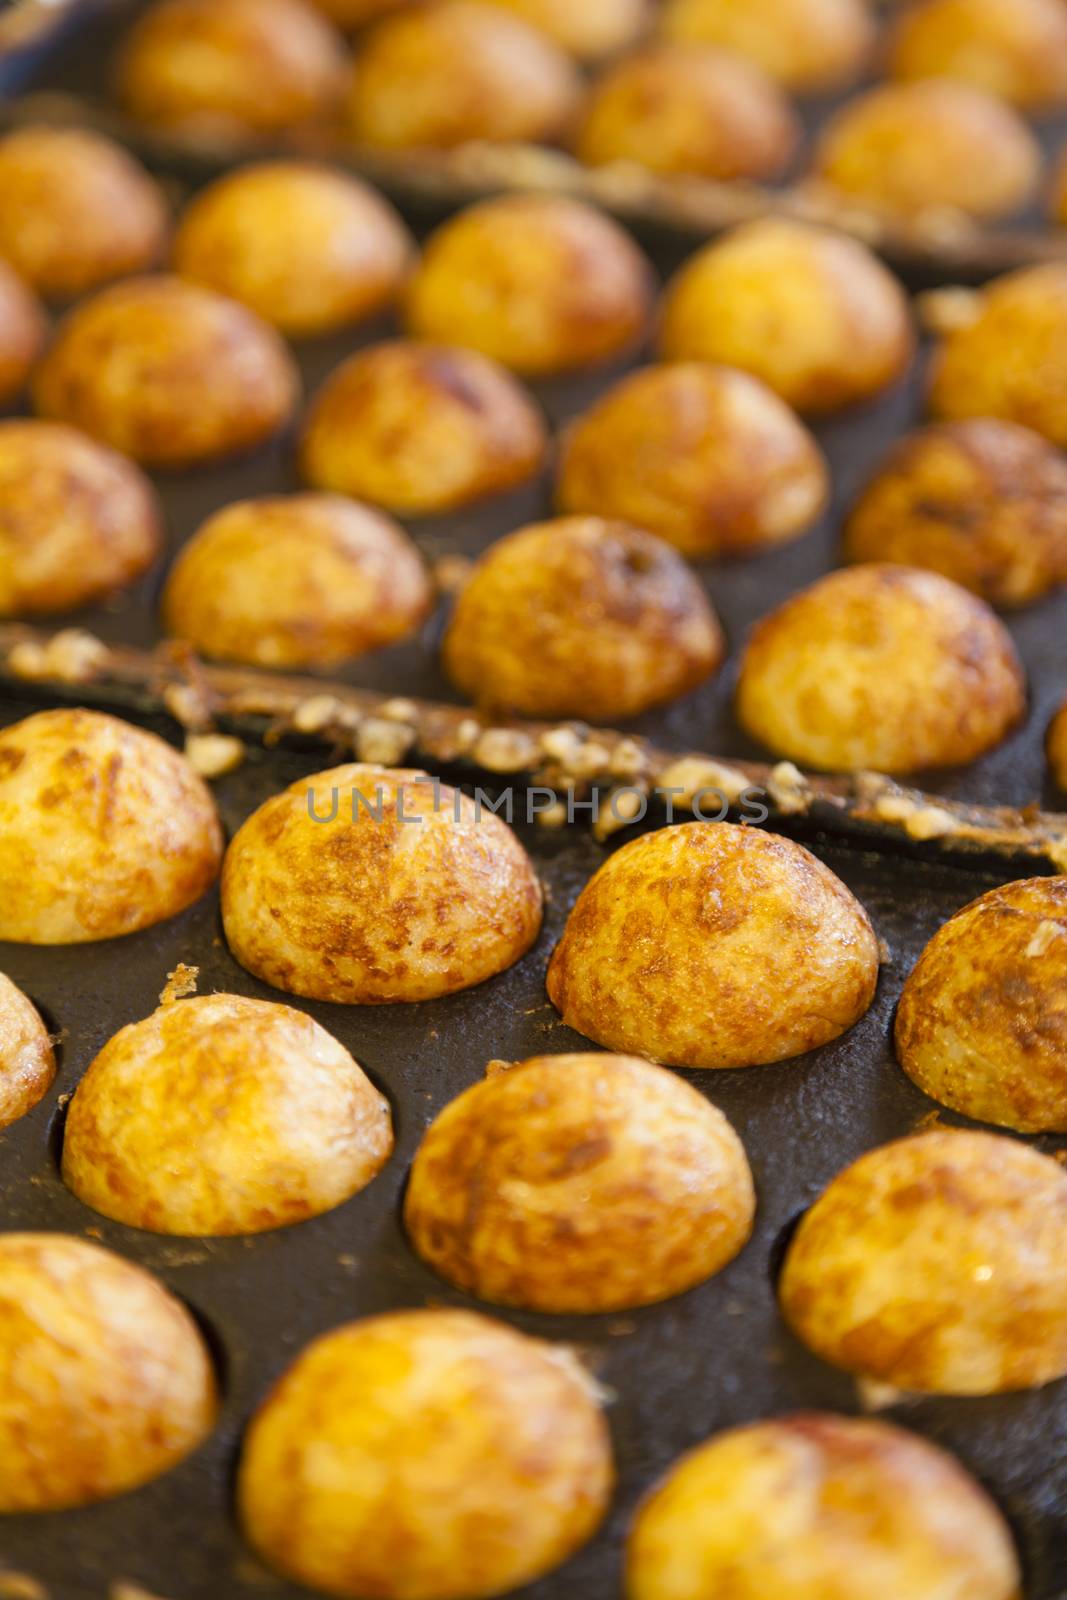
(810, 46)
(707, 457)
(813, 313)
(982, 502)
(304, 580)
(27, 1060)
(22, 333)
(221, 1115)
(1016, 49)
(241, 68)
(881, 667)
(936, 1264)
(103, 829)
(105, 1381)
(366, 885)
(308, 249)
(877, 151)
(813, 1505)
(439, 76)
(421, 428)
(711, 945)
(581, 618)
(167, 372)
(593, 29)
(542, 283)
(579, 1183)
(1057, 747)
(76, 520)
(424, 1455)
(680, 108)
(982, 1022)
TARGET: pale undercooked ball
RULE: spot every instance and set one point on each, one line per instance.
(222, 1115)
(168, 372)
(579, 1183)
(982, 1021)
(76, 209)
(809, 1506)
(542, 283)
(396, 888)
(105, 1381)
(425, 1455)
(23, 330)
(936, 1264)
(27, 1060)
(981, 501)
(295, 581)
(884, 667)
(710, 945)
(103, 829)
(810, 46)
(581, 618)
(811, 312)
(245, 68)
(1016, 49)
(1057, 747)
(442, 75)
(683, 108)
(76, 520)
(707, 457)
(592, 29)
(309, 249)
(933, 146)
(421, 428)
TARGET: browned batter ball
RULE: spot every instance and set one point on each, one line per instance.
(307, 248)
(589, 30)
(936, 1263)
(438, 76)
(707, 457)
(22, 333)
(810, 46)
(103, 829)
(1057, 747)
(168, 372)
(76, 519)
(1016, 49)
(296, 580)
(27, 1060)
(710, 945)
(814, 314)
(105, 1381)
(683, 108)
(884, 667)
(542, 283)
(421, 428)
(579, 1183)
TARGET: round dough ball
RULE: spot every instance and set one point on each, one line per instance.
(231, 67)
(308, 249)
(439, 76)
(1016, 49)
(296, 581)
(877, 150)
(1057, 747)
(813, 1505)
(23, 331)
(367, 885)
(936, 1263)
(810, 46)
(104, 829)
(982, 502)
(707, 457)
(581, 618)
(814, 314)
(680, 108)
(982, 1021)
(710, 945)
(105, 1380)
(76, 520)
(579, 1183)
(168, 372)
(592, 29)
(27, 1060)
(223, 1115)
(421, 428)
(541, 283)
(425, 1455)
(881, 667)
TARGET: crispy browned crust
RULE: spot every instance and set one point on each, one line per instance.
(27, 1059)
